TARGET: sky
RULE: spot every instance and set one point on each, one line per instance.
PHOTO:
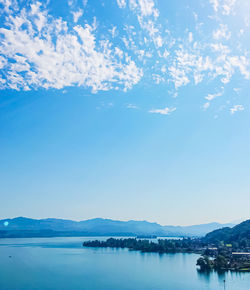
(125, 109)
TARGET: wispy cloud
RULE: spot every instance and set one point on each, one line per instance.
(236, 108)
(39, 50)
(77, 15)
(215, 4)
(206, 106)
(228, 6)
(147, 15)
(223, 6)
(222, 32)
(210, 97)
(121, 3)
(164, 111)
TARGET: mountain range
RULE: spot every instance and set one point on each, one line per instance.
(51, 227)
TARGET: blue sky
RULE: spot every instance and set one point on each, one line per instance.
(125, 109)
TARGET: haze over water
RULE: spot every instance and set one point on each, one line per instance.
(62, 263)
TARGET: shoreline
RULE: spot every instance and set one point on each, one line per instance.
(206, 261)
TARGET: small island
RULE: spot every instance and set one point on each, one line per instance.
(223, 249)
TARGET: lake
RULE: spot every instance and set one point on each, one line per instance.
(62, 263)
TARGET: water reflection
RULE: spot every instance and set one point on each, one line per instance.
(226, 279)
(204, 275)
(221, 276)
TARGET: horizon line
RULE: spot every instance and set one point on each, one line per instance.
(235, 222)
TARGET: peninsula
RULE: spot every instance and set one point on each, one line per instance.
(223, 249)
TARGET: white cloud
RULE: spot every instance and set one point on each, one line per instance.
(158, 41)
(119, 52)
(46, 54)
(210, 97)
(164, 111)
(6, 5)
(190, 37)
(150, 27)
(228, 6)
(222, 32)
(215, 4)
(113, 31)
(121, 3)
(179, 76)
(143, 7)
(77, 15)
(223, 6)
(241, 32)
(71, 2)
(200, 63)
(187, 66)
(206, 106)
(165, 54)
(147, 15)
(3, 62)
(236, 108)
(38, 50)
(198, 77)
(147, 8)
(242, 63)
(219, 47)
(158, 78)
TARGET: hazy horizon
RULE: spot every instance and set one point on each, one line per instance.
(130, 219)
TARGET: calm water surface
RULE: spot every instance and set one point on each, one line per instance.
(62, 263)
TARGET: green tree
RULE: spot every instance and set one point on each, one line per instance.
(204, 263)
(220, 262)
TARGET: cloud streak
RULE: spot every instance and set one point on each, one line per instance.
(164, 111)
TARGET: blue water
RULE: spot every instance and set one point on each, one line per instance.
(62, 263)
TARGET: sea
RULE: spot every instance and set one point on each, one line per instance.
(63, 263)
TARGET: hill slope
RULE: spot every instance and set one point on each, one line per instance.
(238, 234)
